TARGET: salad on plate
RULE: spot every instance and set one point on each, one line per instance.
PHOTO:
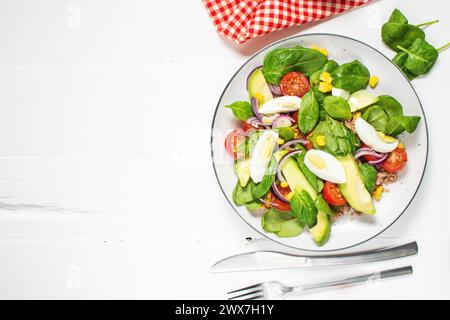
(314, 142)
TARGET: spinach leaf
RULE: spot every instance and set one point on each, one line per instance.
(398, 17)
(421, 57)
(410, 123)
(376, 116)
(400, 60)
(320, 97)
(286, 133)
(398, 124)
(303, 208)
(241, 109)
(330, 66)
(390, 105)
(352, 76)
(339, 140)
(269, 177)
(281, 223)
(323, 206)
(280, 61)
(308, 115)
(314, 78)
(368, 175)
(241, 195)
(337, 108)
(256, 207)
(400, 34)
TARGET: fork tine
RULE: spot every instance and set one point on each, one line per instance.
(247, 295)
(246, 288)
(256, 297)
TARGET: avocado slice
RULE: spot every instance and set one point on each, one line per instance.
(353, 189)
(296, 179)
(257, 85)
(242, 170)
(321, 231)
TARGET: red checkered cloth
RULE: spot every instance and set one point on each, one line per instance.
(241, 20)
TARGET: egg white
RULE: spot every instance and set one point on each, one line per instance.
(262, 153)
(333, 170)
(281, 104)
(370, 137)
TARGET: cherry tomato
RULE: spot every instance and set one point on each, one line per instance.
(332, 195)
(277, 203)
(396, 160)
(368, 157)
(309, 145)
(295, 116)
(232, 141)
(294, 84)
(246, 126)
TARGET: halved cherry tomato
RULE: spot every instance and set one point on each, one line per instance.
(368, 157)
(294, 84)
(232, 141)
(309, 145)
(332, 195)
(396, 160)
(295, 116)
(277, 203)
(246, 126)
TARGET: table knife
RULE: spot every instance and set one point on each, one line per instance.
(269, 260)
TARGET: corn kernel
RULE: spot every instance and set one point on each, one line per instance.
(325, 87)
(284, 184)
(401, 146)
(280, 141)
(289, 195)
(373, 81)
(320, 140)
(377, 193)
(326, 77)
(259, 97)
(356, 115)
(323, 51)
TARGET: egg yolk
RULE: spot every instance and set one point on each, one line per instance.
(386, 138)
(267, 148)
(317, 161)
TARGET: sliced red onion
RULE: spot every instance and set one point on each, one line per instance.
(282, 121)
(276, 90)
(278, 194)
(268, 203)
(367, 151)
(256, 109)
(255, 122)
(248, 77)
(282, 162)
(385, 155)
(293, 142)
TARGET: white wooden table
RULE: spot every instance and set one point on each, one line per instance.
(106, 185)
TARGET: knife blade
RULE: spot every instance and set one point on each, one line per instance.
(269, 260)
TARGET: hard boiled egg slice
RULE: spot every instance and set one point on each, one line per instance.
(374, 139)
(325, 166)
(344, 94)
(262, 153)
(281, 104)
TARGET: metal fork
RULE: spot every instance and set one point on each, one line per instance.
(274, 290)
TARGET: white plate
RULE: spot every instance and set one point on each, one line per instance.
(346, 232)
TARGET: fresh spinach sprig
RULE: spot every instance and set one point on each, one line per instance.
(415, 56)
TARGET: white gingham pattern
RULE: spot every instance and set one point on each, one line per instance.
(241, 20)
